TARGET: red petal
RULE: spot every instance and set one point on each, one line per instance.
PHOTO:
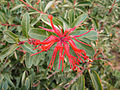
(84, 33)
(82, 42)
(50, 30)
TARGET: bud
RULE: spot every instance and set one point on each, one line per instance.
(50, 17)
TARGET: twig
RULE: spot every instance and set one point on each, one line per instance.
(32, 7)
(36, 84)
(112, 6)
(72, 81)
(52, 74)
(10, 25)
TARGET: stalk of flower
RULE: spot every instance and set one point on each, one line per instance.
(64, 41)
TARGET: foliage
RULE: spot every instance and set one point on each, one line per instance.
(19, 25)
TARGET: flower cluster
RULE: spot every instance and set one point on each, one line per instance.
(64, 40)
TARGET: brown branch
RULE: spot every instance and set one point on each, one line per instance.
(36, 84)
(32, 7)
(10, 25)
(52, 74)
(66, 86)
(112, 7)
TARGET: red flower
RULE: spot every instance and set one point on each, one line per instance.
(64, 41)
(38, 2)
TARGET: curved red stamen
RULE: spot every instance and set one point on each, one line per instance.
(54, 28)
(83, 33)
(50, 30)
(82, 42)
(37, 42)
(53, 57)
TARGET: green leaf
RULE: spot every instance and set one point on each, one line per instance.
(87, 38)
(37, 33)
(79, 19)
(5, 85)
(16, 7)
(65, 22)
(10, 37)
(7, 51)
(74, 87)
(57, 21)
(59, 88)
(27, 84)
(37, 58)
(56, 61)
(28, 60)
(25, 24)
(27, 47)
(71, 16)
(50, 3)
(45, 19)
(1, 80)
(2, 18)
(7, 77)
(36, 20)
(89, 50)
(23, 78)
(81, 83)
(94, 21)
(95, 80)
(84, 3)
(9, 40)
(92, 35)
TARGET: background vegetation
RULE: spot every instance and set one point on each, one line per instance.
(18, 22)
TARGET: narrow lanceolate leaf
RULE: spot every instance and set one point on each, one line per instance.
(71, 16)
(37, 58)
(89, 50)
(79, 19)
(35, 20)
(28, 60)
(65, 22)
(45, 19)
(23, 78)
(17, 7)
(94, 21)
(50, 3)
(87, 3)
(95, 80)
(7, 77)
(37, 33)
(81, 83)
(25, 24)
(27, 47)
(10, 37)
(7, 51)
(2, 18)
(56, 62)
(87, 38)
(27, 84)
(92, 35)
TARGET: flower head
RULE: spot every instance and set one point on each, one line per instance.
(64, 41)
